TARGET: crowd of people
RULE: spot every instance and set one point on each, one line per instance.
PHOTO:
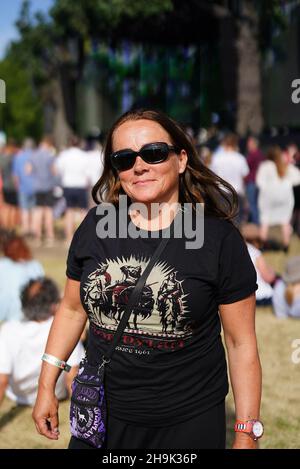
(40, 185)
(268, 187)
(28, 302)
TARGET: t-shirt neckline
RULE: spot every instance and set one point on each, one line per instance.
(159, 232)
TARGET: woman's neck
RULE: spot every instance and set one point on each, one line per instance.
(155, 216)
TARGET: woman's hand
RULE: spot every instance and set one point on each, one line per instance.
(244, 441)
(45, 414)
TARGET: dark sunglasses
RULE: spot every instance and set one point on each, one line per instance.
(151, 153)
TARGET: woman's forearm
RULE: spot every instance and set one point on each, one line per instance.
(246, 379)
(64, 335)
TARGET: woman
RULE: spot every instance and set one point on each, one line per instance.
(232, 166)
(10, 211)
(275, 180)
(71, 166)
(17, 267)
(40, 167)
(286, 296)
(166, 384)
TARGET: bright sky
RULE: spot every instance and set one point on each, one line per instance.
(9, 12)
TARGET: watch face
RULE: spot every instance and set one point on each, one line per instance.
(257, 429)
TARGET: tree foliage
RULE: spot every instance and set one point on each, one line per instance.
(22, 114)
(94, 18)
(53, 47)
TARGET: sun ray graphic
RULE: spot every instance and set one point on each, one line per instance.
(105, 295)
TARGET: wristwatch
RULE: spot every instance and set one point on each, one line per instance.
(254, 428)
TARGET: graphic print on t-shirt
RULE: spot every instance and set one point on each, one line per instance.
(162, 309)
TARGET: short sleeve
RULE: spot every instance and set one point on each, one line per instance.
(80, 246)
(74, 264)
(245, 167)
(237, 274)
(253, 252)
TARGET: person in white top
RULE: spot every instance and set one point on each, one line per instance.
(286, 297)
(275, 179)
(232, 166)
(22, 344)
(94, 156)
(72, 167)
(266, 275)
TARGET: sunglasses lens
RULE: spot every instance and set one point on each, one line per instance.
(123, 161)
(155, 154)
(152, 154)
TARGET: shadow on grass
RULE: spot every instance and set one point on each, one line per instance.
(9, 416)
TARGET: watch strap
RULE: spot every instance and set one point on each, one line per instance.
(246, 426)
(243, 426)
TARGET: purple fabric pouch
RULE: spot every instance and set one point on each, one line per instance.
(88, 405)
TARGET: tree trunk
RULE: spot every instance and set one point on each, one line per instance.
(249, 111)
(61, 129)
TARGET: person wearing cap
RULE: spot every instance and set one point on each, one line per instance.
(286, 294)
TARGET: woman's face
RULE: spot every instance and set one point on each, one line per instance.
(161, 179)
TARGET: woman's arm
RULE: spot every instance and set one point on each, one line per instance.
(238, 320)
(266, 271)
(65, 332)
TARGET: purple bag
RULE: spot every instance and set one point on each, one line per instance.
(88, 405)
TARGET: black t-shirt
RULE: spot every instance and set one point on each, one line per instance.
(170, 363)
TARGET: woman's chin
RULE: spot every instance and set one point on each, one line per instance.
(145, 197)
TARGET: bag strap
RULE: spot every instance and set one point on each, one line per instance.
(134, 298)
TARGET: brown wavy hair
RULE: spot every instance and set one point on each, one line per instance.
(198, 184)
(274, 154)
(17, 249)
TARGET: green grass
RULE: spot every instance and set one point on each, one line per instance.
(280, 408)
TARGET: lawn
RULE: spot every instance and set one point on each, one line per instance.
(280, 409)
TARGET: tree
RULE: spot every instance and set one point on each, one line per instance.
(253, 22)
(51, 49)
(22, 114)
(249, 83)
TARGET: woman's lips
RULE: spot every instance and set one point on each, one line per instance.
(141, 183)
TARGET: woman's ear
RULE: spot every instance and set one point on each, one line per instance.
(183, 159)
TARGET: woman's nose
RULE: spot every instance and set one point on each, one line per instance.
(139, 164)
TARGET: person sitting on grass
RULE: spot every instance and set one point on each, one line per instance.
(266, 275)
(17, 267)
(286, 296)
(23, 342)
